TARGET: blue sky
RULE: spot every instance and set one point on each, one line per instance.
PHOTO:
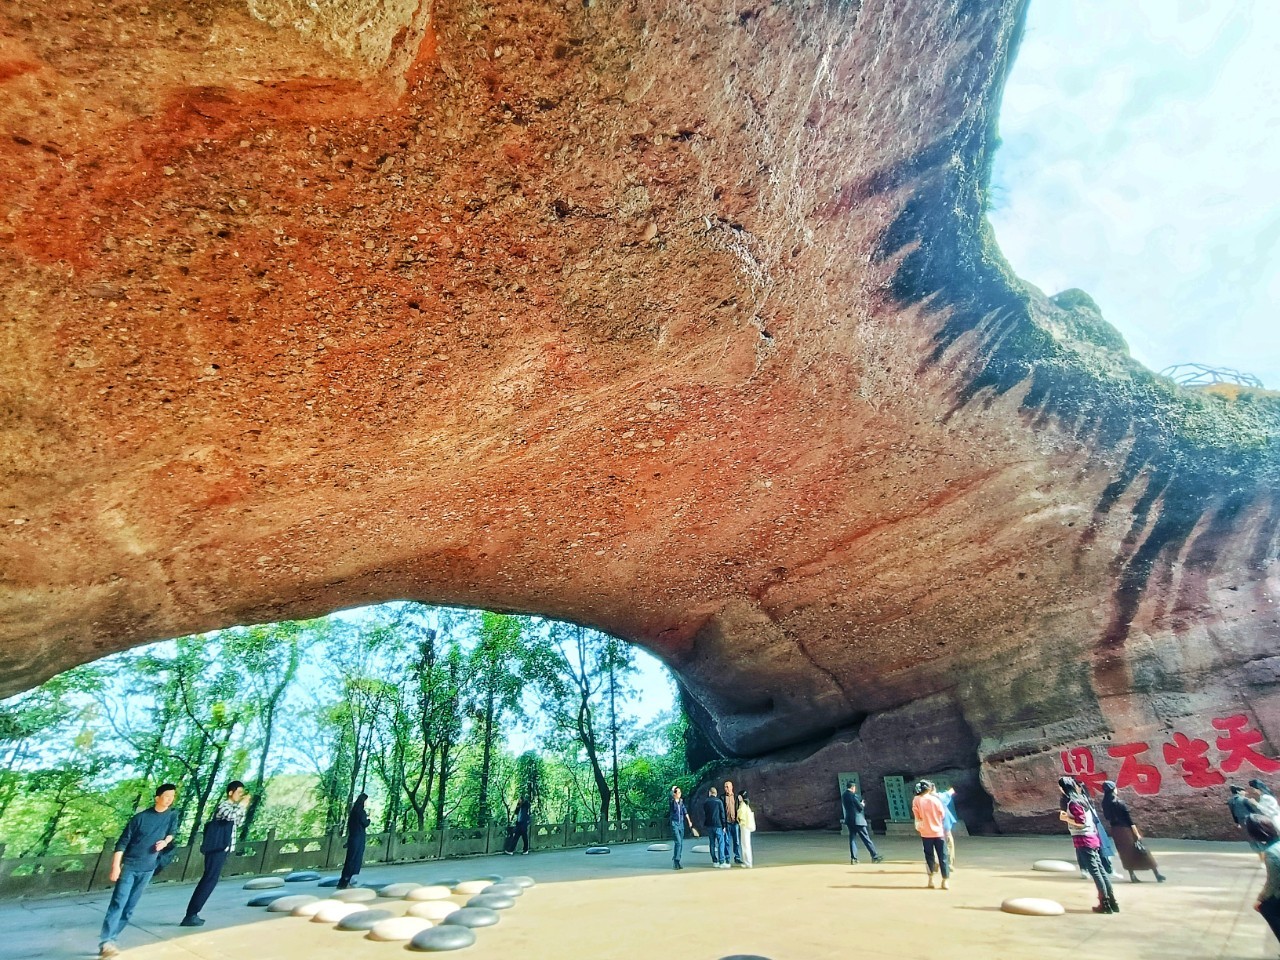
(1141, 163)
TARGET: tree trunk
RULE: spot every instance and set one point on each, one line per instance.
(613, 735)
(260, 780)
(485, 760)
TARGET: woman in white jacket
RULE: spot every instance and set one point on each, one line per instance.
(746, 826)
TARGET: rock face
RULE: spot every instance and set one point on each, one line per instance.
(677, 319)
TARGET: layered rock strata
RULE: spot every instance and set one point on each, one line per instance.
(681, 320)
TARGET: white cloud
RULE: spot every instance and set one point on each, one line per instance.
(1140, 162)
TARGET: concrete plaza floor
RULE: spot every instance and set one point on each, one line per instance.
(801, 901)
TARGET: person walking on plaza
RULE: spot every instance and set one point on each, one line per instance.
(357, 827)
(948, 798)
(218, 841)
(678, 814)
(1263, 833)
(1241, 806)
(855, 819)
(524, 816)
(1261, 794)
(713, 823)
(1134, 854)
(746, 827)
(134, 861)
(732, 833)
(1083, 826)
(930, 816)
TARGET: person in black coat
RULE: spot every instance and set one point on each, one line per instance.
(357, 827)
(217, 842)
(856, 820)
(524, 816)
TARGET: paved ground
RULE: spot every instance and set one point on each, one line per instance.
(799, 902)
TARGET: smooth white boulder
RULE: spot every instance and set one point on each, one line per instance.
(701, 848)
(525, 882)
(264, 883)
(430, 892)
(397, 891)
(356, 895)
(1055, 866)
(433, 910)
(469, 888)
(1033, 907)
(309, 910)
(290, 903)
(334, 910)
(659, 847)
(399, 928)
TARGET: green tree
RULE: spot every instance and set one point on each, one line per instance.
(495, 692)
(270, 655)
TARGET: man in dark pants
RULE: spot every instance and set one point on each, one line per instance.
(218, 842)
(678, 813)
(133, 863)
(732, 839)
(856, 821)
(524, 816)
(713, 823)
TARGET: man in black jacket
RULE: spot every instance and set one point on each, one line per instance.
(713, 824)
(856, 821)
(219, 839)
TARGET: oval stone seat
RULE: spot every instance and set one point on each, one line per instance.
(266, 899)
(450, 883)
(701, 848)
(290, 903)
(492, 901)
(469, 888)
(504, 889)
(658, 847)
(264, 883)
(331, 911)
(430, 892)
(398, 891)
(356, 895)
(433, 910)
(597, 851)
(472, 917)
(309, 910)
(1033, 907)
(522, 881)
(443, 938)
(398, 928)
(329, 882)
(302, 876)
(491, 877)
(364, 920)
(1055, 866)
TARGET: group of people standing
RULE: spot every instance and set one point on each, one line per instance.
(729, 821)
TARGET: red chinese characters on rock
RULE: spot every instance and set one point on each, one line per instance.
(1185, 754)
(1238, 745)
(1143, 777)
(1190, 755)
(1081, 764)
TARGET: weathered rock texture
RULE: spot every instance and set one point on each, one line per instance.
(680, 319)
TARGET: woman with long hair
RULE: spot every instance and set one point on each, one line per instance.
(1129, 843)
